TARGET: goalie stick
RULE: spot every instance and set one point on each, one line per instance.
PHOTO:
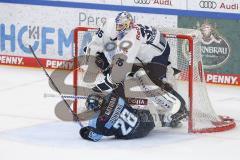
(56, 88)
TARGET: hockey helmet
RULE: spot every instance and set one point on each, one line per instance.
(124, 21)
(94, 102)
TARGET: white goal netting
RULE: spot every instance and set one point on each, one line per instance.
(186, 56)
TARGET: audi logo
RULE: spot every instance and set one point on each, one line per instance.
(142, 1)
(208, 4)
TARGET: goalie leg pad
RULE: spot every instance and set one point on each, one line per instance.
(157, 96)
(168, 103)
(174, 117)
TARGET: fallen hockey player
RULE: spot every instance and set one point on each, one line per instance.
(111, 115)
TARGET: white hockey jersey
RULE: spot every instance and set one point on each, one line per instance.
(141, 41)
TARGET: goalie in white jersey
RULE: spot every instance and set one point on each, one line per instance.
(122, 42)
(139, 43)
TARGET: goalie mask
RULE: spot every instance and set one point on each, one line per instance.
(94, 102)
(123, 21)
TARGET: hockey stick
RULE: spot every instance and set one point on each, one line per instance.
(56, 88)
(50, 95)
(131, 101)
(152, 109)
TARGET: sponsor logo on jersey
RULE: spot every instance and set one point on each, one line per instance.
(137, 101)
(208, 4)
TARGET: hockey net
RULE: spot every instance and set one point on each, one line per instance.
(185, 47)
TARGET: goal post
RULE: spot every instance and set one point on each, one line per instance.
(78, 45)
(190, 71)
(186, 56)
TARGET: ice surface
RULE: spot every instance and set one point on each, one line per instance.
(30, 130)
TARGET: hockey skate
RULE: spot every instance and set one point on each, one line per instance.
(174, 120)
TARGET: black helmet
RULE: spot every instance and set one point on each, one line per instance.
(94, 102)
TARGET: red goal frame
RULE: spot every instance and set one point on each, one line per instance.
(227, 123)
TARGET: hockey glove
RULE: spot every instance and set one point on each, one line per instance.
(101, 61)
(89, 134)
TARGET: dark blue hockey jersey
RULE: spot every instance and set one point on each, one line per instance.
(117, 118)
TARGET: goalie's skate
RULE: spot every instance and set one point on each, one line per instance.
(174, 120)
(167, 121)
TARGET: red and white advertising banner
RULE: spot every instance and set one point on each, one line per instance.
(229, 79)
(31, 62)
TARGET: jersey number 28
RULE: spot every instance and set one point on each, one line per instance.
(126, 117)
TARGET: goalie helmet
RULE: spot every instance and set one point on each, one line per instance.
(123, 21)
(94, 102)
